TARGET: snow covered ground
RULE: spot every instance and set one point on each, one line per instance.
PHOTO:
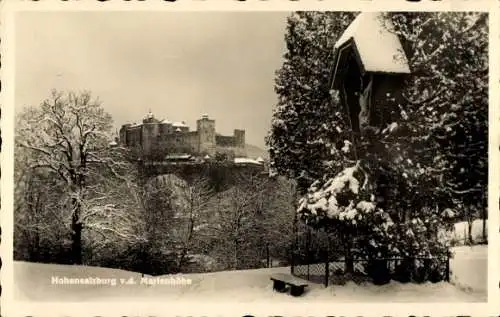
(461, 229)
(33, 283)
(469, 268)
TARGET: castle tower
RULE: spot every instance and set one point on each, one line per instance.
(239, 137)
(206, 135)
(150, 132)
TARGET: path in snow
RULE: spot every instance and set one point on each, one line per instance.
(33, 282)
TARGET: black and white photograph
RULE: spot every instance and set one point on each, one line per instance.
(251, 156)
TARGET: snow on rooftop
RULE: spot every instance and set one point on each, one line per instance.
(178, 157)
(379, 48)
(149, 115)
(179, 124)
(245, 160)
(166, 121)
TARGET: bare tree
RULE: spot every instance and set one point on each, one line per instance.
(199, 204)
(236, 228)
(164, 203)
(280, 216)
(69, 135)
(39, 218)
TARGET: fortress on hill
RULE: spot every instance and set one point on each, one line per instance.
(153, 137)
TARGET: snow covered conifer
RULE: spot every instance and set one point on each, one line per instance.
(307, 118)
(430, 157)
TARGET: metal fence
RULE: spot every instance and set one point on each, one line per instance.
(315, 259)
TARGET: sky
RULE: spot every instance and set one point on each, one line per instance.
(179, 65)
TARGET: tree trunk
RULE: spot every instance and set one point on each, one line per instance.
(485, 216)
(485, 236)
(76, 236)
(36, 256)
(235, 255)
(469, 231)
(76, 248)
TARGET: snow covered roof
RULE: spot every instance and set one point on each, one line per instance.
(260, 159)
(149, 115)
(245, 160)
(179, 124)
(378, 47)
(166, 121)
(178, 157)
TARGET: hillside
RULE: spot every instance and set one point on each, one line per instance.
(255, 151)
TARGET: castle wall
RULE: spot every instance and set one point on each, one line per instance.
(165, 128)
(155, 137)
(193, 141)
(179, 142)
(226, 141)
(183, 129)
(134, 136)
(123, 135)
(234, 144)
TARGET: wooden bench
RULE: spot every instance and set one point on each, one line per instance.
(281, 281)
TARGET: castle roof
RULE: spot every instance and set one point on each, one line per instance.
(179, 125)
(179, 157)
(149, 115)
(246, 160)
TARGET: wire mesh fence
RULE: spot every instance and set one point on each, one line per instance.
(316, 258)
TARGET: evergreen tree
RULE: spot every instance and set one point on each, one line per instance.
(306, 117)
(387, 192)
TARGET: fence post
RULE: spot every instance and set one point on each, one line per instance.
(448, 257)
(267, 255)
(308, 251)
(294, 243)
(327, 259)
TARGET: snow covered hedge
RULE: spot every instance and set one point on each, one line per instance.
(337, 198)
(345, 203)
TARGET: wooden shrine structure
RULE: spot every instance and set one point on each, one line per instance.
(369, 68)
